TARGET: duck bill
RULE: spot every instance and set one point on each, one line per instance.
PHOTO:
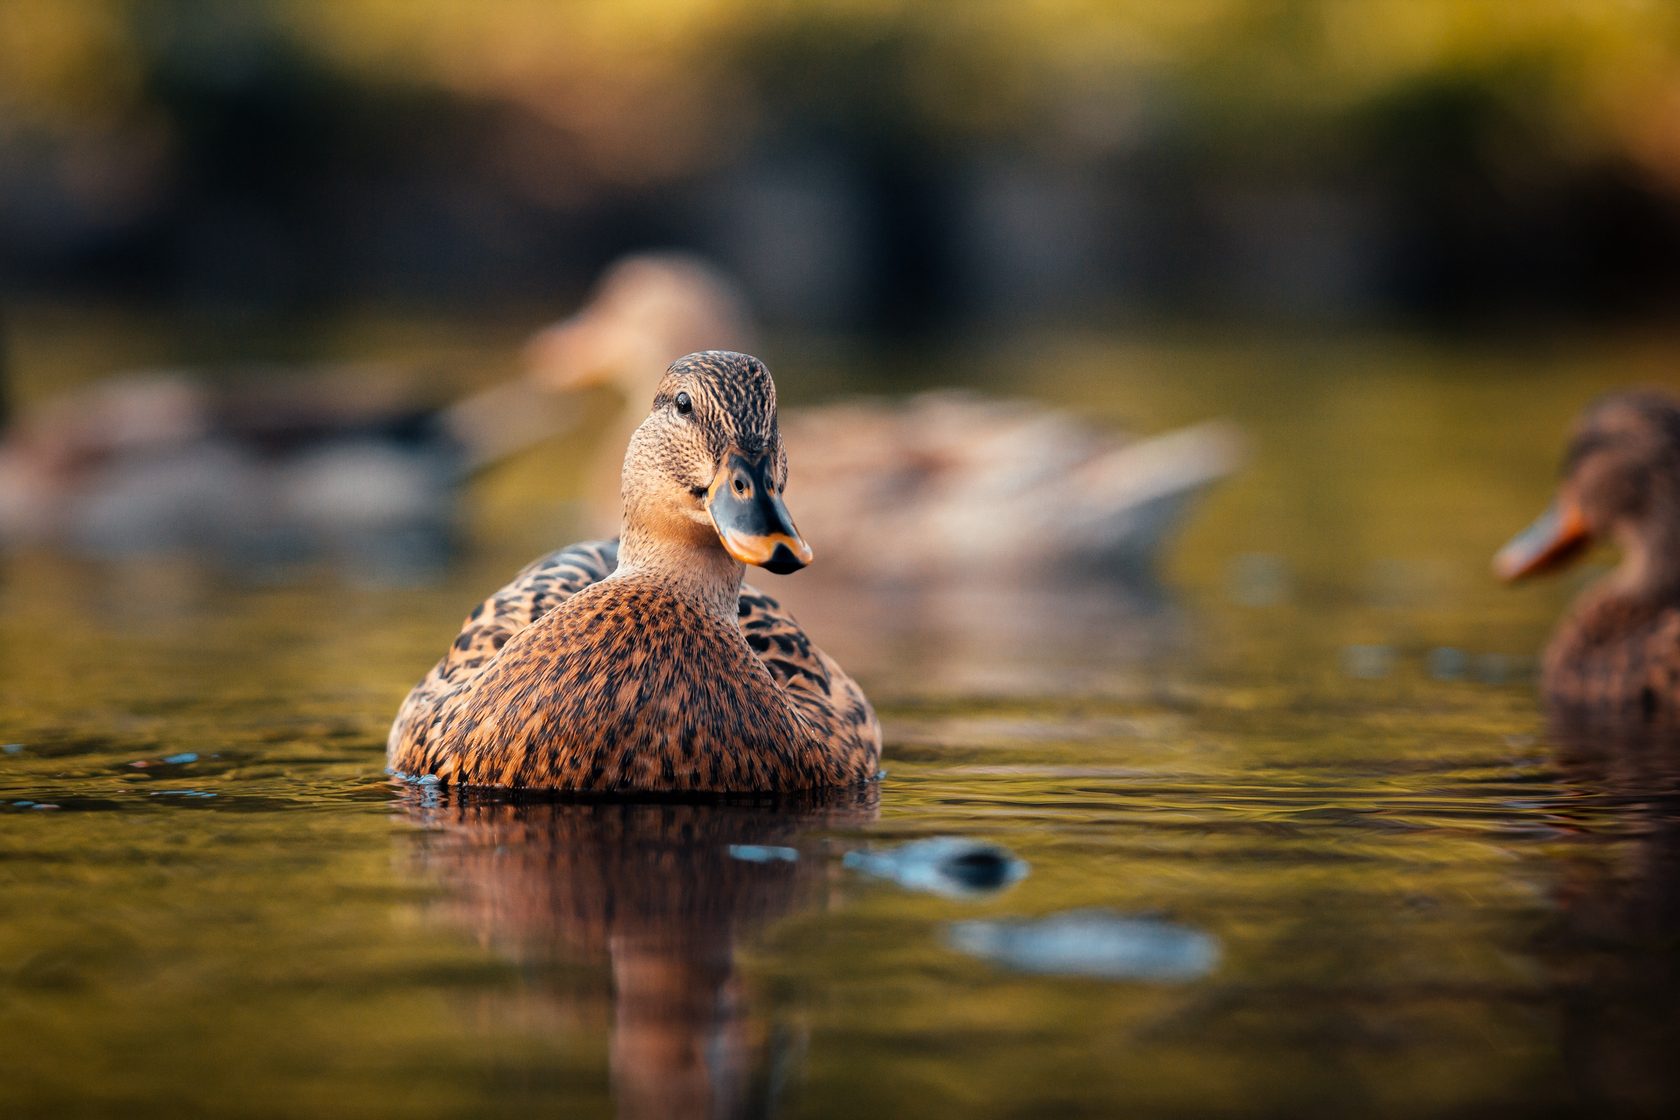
(751, 520)
(1554, 539)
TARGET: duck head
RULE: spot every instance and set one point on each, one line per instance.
(1621, 483)
(645, 309)
(707, 466)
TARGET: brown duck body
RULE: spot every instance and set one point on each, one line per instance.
(1617, 659)
(645, 664)
(568, 679)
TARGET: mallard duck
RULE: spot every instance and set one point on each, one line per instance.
(254, 467)
(644, 311)
(974, 486)
(1617, 653)
(644, 663)
(960, 483)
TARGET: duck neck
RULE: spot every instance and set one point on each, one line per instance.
(628, 406)
(696, 570)
(1650, 568)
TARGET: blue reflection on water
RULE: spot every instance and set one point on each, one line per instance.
(944, 865)
(1091, 943)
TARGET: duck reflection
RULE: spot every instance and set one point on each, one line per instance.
(661, 893)
(1616, 949)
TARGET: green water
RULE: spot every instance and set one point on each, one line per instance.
(1318, 749)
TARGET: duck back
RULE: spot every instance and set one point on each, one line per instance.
(569, 680)
(1613, 659)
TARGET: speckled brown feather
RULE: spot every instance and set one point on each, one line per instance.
(562, 681)
(1616, 660)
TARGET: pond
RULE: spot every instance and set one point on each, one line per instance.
(1283, 836)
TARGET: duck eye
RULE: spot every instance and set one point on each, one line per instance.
(684, 404)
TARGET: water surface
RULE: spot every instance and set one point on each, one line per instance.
(1292, 838)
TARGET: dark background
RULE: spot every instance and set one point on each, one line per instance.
(887, 169)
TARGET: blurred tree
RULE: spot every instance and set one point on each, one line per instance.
(1442, 154)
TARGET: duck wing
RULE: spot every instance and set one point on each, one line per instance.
(1131, 497)
(827, 699)
(979, 485)
(539, 587)
(814, 684)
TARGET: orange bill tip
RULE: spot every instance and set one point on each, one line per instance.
(761, 550)
(1554, 538)
(751, 520)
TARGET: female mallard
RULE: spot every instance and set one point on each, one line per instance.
(1617, 653)
(963, 485)
(251, 470)
(645, 664)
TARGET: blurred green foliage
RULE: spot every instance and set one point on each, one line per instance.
(867, 164)
(652, 88)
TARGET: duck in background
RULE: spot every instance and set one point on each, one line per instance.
(949, 482)
(645, 311)
(256, 470)
(1616, 656)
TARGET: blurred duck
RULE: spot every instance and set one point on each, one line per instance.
(1616, 656)
(644, 664)
(261, 470)
(957, 483)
